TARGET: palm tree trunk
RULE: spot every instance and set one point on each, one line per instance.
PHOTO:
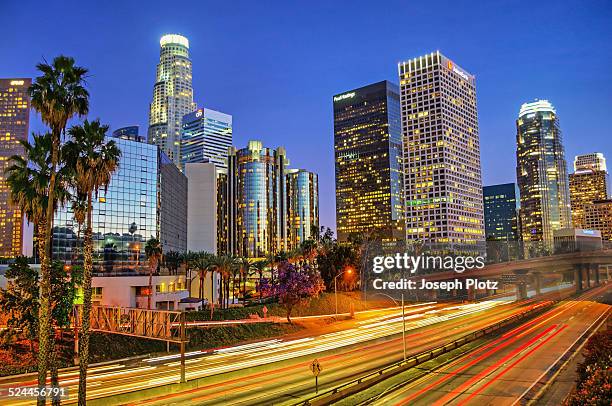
(53, 343)
(86, 318)
(150, 286)
(44, 311)
(212, 294)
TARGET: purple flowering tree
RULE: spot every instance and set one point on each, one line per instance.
(293, 286)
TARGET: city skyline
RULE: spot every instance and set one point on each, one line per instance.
(276, 108)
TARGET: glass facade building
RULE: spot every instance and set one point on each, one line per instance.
(441, 155)
(501, 205)
(172, 96)
(541, 173)
(14, 124)
(367, 149)
(146, 198)
(131, 133)
(256, 201)
(206, 137)
(302, 206)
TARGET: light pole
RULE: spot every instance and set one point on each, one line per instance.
(348, 271)
(403, 320)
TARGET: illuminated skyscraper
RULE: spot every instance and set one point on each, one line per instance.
(172, 96)
(206, 136)
(256, 200)
(588, 183)
(14, 123)
(598, 216)
(367, 147)
(262, 207)
(501, 205)
(302, 206)
(541, 172)
(594, 161)
(441, 151)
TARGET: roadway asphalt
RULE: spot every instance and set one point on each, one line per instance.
(502, 370)
(276, 371)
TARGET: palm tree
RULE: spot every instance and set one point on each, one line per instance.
(153, 251)
(28, 181)
(244, 266)
(201, 262)
(92, 161)
(58, 94)
(172, 261)
(225, 266)
(259, 267)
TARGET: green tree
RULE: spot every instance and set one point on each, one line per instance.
(28, 179)
(153, 251)
(20, 300)
(244, 266)
(58, 94)
(92, 161)
(172, 261)
(259, 267)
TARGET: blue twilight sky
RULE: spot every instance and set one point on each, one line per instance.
(274, 65)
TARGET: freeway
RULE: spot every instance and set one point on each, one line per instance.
(504, 369)
(276, 371)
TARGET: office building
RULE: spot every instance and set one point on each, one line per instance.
(256, 201)
(202, 206)
(131, 133)
(541, 173)
(598, 216)
(147, 197)
(501, 206)
(594, 161)
(573, 239)
(588, 183)
(172, 96)
(14, 124)
(441, 151)
(205, 137)
(367, 151)
(302, 206)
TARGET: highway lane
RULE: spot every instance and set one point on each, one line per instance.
(499, 372)
(431, 324)
(288, 383)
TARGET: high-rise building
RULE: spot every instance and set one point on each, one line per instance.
(367, 147)
(205, 137)
(441, 151)
(598, 216)
(541, 172)
(593, 161)
(172, 96)
(588, 183)
(203, 202)
(14, 124)
(256, 200)
(501, 205)
(147, 197)
(131, 133)
(302, 206)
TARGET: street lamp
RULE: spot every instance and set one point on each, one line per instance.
(347, 271)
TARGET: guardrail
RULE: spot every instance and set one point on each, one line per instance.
(366, 381)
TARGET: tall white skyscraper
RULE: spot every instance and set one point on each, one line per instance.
(441, 151)
(206, 136)
(172, 95)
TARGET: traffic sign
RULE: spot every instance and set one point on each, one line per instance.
(315, 367)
